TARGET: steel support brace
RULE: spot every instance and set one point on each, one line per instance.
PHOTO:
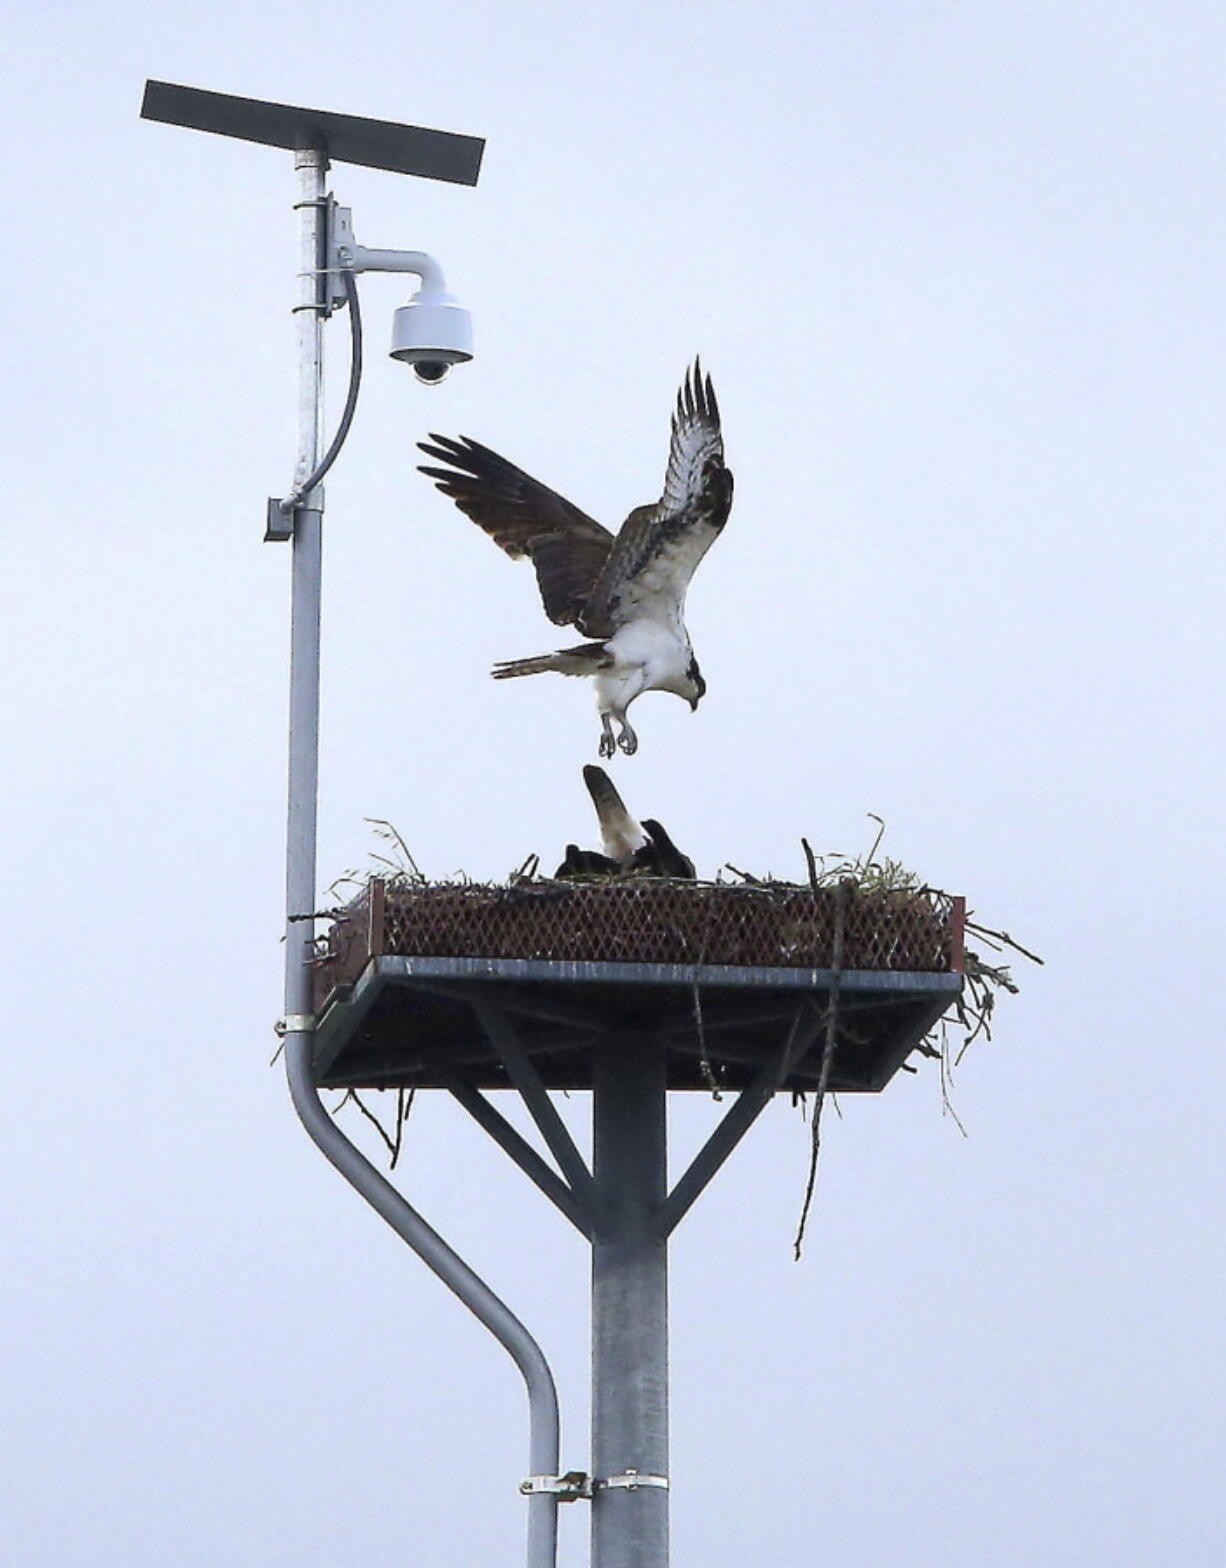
(512, 1143)
(739, 1118)
(540, 1107)
(629, 1306)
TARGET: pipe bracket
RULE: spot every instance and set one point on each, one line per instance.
(568, 1488)
(295, 1023)
(631, 1480)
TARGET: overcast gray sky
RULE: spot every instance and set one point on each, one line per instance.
(957, 271)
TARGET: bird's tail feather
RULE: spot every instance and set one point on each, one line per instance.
(586, 659)
(619, 832)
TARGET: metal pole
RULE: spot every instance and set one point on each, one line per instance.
(629, 1307)
(305, 598)
(300, 894)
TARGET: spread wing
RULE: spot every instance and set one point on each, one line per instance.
(659, 547)
(567, 547)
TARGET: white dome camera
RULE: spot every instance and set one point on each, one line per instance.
(432, 333)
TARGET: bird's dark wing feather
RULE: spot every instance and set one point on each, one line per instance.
(661, 857)
(585, 863)
(659, 547)
(566, 546)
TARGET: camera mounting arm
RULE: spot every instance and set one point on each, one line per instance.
(432, 332)
(345, 254)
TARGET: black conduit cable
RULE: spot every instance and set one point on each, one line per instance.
(351, 401)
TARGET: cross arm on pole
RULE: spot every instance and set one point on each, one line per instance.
(541, 1108)
(746, 1109)
(519, 1149)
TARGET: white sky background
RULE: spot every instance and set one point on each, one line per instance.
(957, 272)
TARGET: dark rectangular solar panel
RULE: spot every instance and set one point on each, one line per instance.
(346, 138)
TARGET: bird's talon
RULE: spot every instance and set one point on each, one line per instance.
(628, 741)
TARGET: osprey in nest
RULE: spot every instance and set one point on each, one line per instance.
(625, 593)
(630, 848)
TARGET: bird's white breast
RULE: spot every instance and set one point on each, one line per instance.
(660, 651)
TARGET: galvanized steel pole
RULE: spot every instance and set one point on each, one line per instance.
(300, 876)
(629, 1307)
(305, 601)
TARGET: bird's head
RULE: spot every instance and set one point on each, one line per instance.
(696, 687)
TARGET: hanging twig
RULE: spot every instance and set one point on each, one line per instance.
(704, 1060)
(841, 901)
(404, 1104)
(946, 1070)
(403, 1107)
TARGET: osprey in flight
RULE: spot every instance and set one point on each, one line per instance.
(626, 593)
(630, 847)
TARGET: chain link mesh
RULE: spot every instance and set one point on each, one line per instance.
(645, 921)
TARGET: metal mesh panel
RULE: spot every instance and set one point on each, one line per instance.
(646, 921)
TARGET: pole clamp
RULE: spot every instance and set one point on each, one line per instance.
(295, 1023)
(566, 1488)
(631, 1481)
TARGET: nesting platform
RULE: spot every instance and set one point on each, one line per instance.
(728, 978)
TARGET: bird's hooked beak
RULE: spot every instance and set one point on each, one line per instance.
(694, 701)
